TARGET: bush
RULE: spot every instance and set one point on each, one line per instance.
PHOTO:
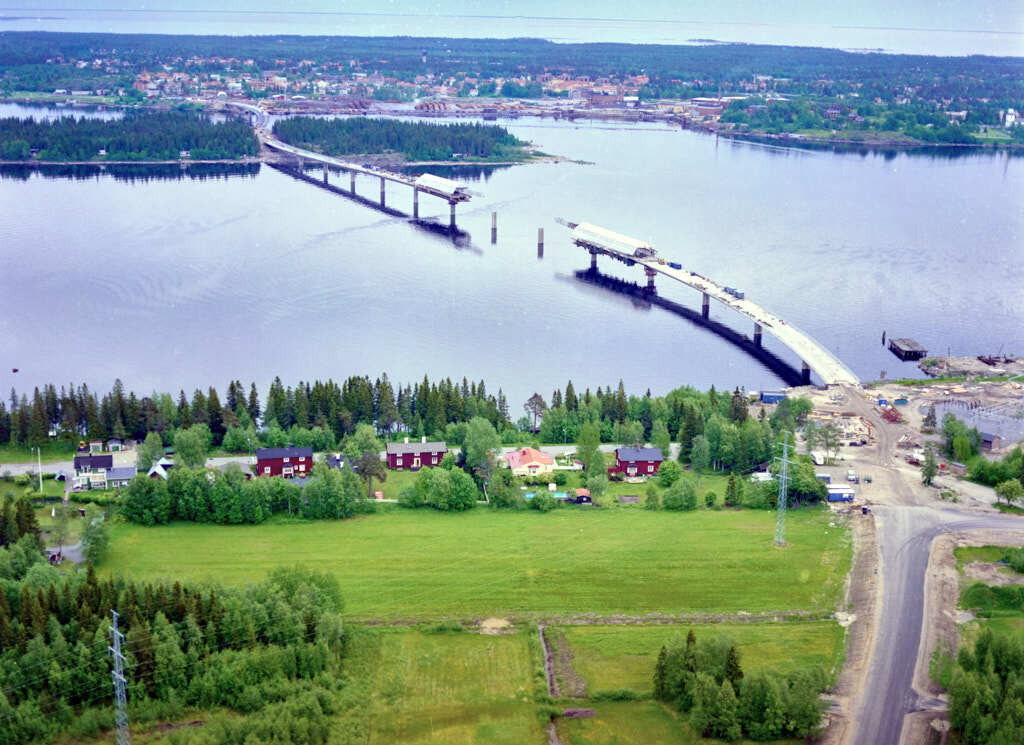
(616, 694)
(669, 473)
(543, 502)
(984, 599)
(681, 496)
(711, 500)
(561, 477)
(652, 499)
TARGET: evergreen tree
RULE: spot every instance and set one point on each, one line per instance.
(215, 416)
(253, 404)
(25, 519)
(733, 671)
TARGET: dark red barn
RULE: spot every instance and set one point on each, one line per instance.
(414, 455)
(287, 462)
(637, 461)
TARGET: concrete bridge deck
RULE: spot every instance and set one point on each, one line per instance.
(259, 120)
(829, 367)
(631, 251)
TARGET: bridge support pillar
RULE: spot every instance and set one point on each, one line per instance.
(540, 243)
(415, 202)
(494, 227)
(325, 173)
(381, 191)
(352, 182)
(757, 335)
(705, 306)
(805, 374)
(451, 219)
(651, 274)
(593, 261)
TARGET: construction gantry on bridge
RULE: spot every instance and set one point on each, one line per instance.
(631, 251)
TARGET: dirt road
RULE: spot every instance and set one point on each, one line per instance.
(908, 518)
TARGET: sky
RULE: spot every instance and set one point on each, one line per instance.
(966, 15)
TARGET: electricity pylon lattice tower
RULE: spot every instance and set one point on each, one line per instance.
(124, 735)
(780, 520)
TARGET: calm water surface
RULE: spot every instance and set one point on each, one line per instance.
(1008, 39)
(174, 283)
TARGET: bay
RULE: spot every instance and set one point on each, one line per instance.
(178, 282)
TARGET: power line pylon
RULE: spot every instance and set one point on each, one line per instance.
(780, 521)
(124, 735)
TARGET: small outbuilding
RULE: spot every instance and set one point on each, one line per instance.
(990, 441)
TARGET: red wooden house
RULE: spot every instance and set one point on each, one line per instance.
(414, 455)
(287, 462)
(636, 461)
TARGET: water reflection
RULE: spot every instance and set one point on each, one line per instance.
(132, 173)
(644, 299)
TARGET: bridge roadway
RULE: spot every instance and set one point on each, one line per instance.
(260, 120)
(813, 355)
(829, 367)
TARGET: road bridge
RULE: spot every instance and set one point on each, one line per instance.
(630, 251)
(452, 192)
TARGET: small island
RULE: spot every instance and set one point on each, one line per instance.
(396, 143)
(140, 136)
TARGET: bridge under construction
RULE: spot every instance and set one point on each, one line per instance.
(452, 192)
(631, 251)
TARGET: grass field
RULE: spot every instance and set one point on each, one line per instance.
(421, 688)
(613, 657)
(634, 723)
(422, 564)
(967, 554)
(51, 452)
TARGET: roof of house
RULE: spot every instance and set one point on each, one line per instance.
(336, 461)
(293, 452)
(526, 456)
(631, 454)
(121, 473)
(94, 461)
(160, 468)
(401, 448)
(988, 436)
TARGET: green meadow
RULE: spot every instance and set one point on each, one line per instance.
(424, 564)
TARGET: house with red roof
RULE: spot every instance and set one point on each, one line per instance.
(529, 462)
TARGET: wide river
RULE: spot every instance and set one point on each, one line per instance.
(175, 283)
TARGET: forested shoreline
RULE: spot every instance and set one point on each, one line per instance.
(139, 135)
(413, 140)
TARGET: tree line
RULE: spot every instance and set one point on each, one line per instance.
(700, 68)
(136, 136)
(268, 655)
(414, 140)
(227, 498)
(705, 680)
(74, 412)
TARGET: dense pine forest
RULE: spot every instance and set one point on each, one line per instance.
(414, 140)
(137, 136)
(268, 656)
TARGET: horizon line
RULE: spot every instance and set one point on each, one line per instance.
(219, 11)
